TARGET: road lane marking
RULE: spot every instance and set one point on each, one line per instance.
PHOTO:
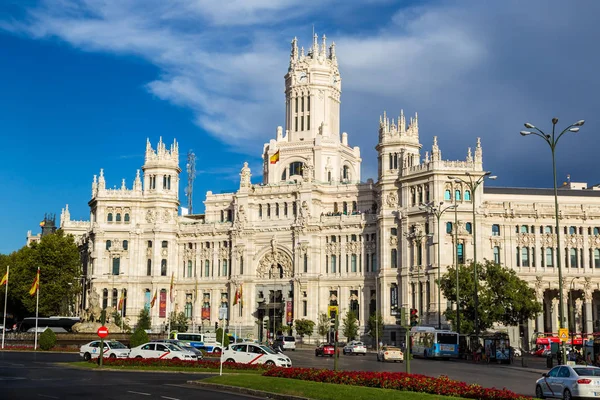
(169, 398)
(142, 393)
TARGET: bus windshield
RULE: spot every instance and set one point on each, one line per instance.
(447, 338)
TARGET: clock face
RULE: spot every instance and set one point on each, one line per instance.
(335, 79)
(302, 77)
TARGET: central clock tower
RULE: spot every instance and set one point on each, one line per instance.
(312, 92)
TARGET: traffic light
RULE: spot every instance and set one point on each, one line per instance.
(216, 325)
(414, 317)
(266, 324)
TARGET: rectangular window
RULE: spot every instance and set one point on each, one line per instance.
(374, 262)
(302, 123)
(307, 103)
(296, 104)
(542, 258)
(225, 266)
(333, 264)
(525, 257)
(596, 258)
(206, 268)
(308, 122)
(394, 258)
(353, 263)
(302, 109)
(149, 268)
(304, 308)
(305, 263)
(163, 267)
(549, 257)
(116, 266)
(296, 124)
(189, 269)
(241, 265)
(518, 256)
(460, 255)
(367, 259)
(497, 254)
(573, 259)
(326, 264)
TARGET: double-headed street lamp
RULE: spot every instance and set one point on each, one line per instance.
(473, 183)
(417, 236)
(552, 141)
(438, 210)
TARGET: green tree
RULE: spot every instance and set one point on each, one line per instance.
(138, 338)
(304, 327)
(323, 324)
(47, 339)
(179, 322)
(117, 319)
(144, 319)
(57, 256)
(350, 325)
(375, 326)
(503, 297)
(223, 339)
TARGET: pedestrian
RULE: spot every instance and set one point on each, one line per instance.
(478, 353)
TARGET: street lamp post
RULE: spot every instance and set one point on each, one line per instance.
(473, 183)
(438, 211)
(455, 234)
(552, 141)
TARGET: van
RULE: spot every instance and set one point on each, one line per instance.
(286, 342)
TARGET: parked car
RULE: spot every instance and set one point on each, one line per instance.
(248, 353)
(355, 347)
(325, 349)
(112, 349)
(286, 343)
(389, 353)
(165, 351)
(569, 382)
(184, 345)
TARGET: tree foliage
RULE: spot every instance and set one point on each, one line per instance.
(138, 338)
(304, 327)
(375, 326)
(116, 319)
(350, 325)
(179, 322)
(144, 321)
(57, 255)
(47, 339)
(223, 339)
(323, 324)
(503, 297)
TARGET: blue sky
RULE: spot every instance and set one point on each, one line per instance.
(84, 83)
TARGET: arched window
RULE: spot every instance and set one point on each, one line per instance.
(125, 245)
(524, 229)
(165, 244)
(345, 207)
(149, 244)
(105, 298)
(260, 211)
(467, 195)
(164, 181)
(596, 258)
(572, 230)
(333, 238)
(109, 217)
(115, 298)
(457, 195)
(525, 257)
(149, 268)
(295, 168)
(549, 257)
(420, 191)
(169, 182)
(469, 227)
(108, 244)
(497, 254)
(222, 216)
(346, 173)
(354, 207)
(447, 195)
(163, 267)
(118, 219)
(427, 199)
(413, 196)
(285, 209)
(305, 263)
(277, 209)
(495, 230)
(448, 227)
(329, 176)
(126, 217)
(596, 231)
(268, 211)
(353, 238)
(284, 175)
(335, 208)
(124, 304)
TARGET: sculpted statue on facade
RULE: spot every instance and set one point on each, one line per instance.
(245, 176)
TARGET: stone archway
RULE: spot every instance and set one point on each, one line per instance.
(275, 264)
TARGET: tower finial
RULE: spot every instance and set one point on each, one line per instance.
(315, 49)
(324, 46)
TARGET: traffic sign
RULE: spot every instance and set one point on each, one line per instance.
(563, 334)
(102, 332)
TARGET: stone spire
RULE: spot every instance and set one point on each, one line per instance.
(436, 154)
(478, 152)
(137, 183)
(101, 181)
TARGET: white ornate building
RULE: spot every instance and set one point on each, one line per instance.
(312, 235)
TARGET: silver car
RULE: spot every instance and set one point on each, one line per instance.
(567, 382)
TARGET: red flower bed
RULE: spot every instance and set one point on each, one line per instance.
(397, 380)
(157, 362)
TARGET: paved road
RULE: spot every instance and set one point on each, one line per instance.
(515, 378)
(34, 376)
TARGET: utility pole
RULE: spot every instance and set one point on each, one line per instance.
(335, 341)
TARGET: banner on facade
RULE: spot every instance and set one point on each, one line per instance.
(206, 312)
(394, 310)
(162, 304)
(288, 313)
(223, 312)
(332, 311)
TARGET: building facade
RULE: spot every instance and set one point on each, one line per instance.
(313, 238)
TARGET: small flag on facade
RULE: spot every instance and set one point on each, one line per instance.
(274, 158)
(4, 280)
(36, 283)
(171, 290)
(237, 297)
(121, 301)
(153, 300)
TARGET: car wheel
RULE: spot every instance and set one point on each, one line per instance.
(364, 354)
(230, 360)
(269, 363)
(175, 359)
(539, 393)
(87, 356)
(139, 357)
(217, 351)
(567, 395)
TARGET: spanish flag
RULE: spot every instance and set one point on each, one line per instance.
(274, 158)
(153, 300)
(4, 280)
(42, 223)
(36, 284)
(237, 297)
(171, 290)
(121, 301)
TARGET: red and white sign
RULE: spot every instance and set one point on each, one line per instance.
(102, 332)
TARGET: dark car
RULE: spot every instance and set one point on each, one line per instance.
(183, 345)
(325, 349)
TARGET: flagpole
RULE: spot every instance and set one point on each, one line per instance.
(169, 318)
(5, 301)
(37, 304)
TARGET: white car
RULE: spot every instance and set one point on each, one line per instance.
(112, 349)
(355, 347)
(389, 353)
(567, 382)
(165, 351)
(286, 342)
(248, 353)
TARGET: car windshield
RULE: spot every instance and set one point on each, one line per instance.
(587, 371)
(268, 350)
(117, 345)
(172, 347)
(392, 349)
(358, 343)
(447, 338)
(289, 339)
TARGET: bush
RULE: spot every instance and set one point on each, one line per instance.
(144, 319)
(47, 339)
(138, 338)
(224, 340)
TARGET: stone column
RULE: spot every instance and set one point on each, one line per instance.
(577, 313)
(539, 323)
(554, 316)
(529, 332)
(589, 326)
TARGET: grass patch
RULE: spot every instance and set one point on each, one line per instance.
(318, 390)
(90, 365)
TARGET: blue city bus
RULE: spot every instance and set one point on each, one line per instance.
(201, 341)
(428, 342)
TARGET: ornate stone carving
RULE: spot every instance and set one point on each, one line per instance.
(150, 216)
(332, 248)
(275, 264)
(166, 216)
(393, 241)
(353, 248)
(391, 199)
(245, 176)
(224, 253)
(239, 250)
(302, 248)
